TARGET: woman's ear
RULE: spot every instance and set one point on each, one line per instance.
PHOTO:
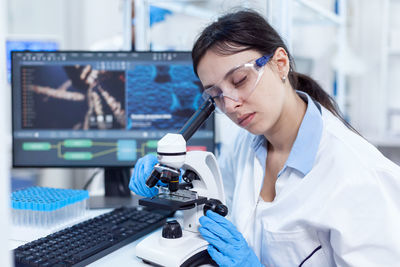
(282, 62)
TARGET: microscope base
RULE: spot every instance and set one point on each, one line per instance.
(184, 251)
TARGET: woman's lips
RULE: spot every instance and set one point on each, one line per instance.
(246, 119)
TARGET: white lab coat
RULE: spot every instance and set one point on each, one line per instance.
(349, 203)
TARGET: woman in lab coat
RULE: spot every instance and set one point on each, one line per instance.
(303, 188)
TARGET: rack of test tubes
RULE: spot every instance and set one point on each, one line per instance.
(43, 207)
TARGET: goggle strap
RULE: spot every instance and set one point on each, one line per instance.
(262, 61)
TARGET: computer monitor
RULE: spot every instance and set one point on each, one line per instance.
(101, 109)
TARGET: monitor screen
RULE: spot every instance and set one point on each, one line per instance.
(101, 109)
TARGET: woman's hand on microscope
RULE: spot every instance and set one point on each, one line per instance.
(227, 245)
(143, 168)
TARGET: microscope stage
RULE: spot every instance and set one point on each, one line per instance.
(179, 200)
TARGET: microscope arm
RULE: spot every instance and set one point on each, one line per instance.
(209, 182)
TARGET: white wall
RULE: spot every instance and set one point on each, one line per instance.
(39, 17)
(5, 255)
(89, 22)
(365, 37)
(374, 92)
(394, 59)
(77, 23)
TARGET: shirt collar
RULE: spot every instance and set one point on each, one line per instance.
(305, 147)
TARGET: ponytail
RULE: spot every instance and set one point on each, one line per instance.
(306, 84)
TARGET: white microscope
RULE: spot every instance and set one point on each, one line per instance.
(178, 245)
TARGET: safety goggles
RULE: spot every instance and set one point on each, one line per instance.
(238, 83)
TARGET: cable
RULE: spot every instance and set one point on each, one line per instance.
(96, 171)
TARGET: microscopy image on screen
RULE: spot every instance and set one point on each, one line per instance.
(72, 97)
(161, 97)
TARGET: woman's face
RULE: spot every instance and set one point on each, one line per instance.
(261, 110)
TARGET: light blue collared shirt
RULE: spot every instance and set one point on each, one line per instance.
(305, 147)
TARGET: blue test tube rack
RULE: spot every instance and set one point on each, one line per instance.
(43, 207)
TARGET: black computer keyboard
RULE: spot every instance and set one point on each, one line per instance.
(90, 240)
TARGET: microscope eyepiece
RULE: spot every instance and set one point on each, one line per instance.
(197, 119)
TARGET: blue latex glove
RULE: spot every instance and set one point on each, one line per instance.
(143, 168)
(227, 245)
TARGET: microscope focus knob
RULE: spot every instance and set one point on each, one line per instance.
(172, 230)
(216, 206)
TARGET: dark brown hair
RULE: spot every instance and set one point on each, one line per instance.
(247, 30)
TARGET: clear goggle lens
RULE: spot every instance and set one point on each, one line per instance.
(237, 85)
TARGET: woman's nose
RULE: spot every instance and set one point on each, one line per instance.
(230, 104)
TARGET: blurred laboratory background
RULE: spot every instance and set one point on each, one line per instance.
(351, 47)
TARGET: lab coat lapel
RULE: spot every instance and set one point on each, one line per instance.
(246, 195)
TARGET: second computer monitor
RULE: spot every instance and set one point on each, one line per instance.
(103, 109)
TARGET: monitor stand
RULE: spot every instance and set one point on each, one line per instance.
(117, 192)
